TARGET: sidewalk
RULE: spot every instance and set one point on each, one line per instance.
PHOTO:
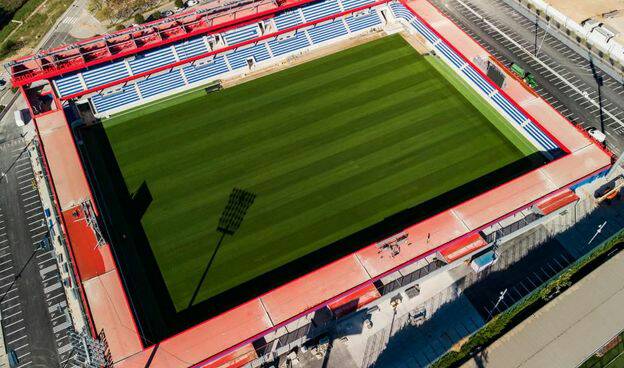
(568, 329)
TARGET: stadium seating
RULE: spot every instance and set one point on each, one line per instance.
(126, 95)
(364, 21)
(69, 85)
(238, 58)
(477, 79)
(297, 42)
(152, 59)
(191, 47)
(321, 9)
(196, 73)
(204, 70)
(327, 31)
(241, 34)
(287, 19)
(105, 73)
(352, 4)
(154, 85)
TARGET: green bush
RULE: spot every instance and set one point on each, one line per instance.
(179, 4)
(505, 321)
(139, 18)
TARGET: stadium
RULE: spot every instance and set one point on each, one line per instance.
(233, 180)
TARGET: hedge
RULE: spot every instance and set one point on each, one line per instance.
(505, 321)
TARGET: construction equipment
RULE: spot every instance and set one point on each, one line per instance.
(527, 77)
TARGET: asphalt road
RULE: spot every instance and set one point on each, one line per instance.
(566, 80)
(34, 317)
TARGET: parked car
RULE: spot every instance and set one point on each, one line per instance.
(13, 359)
(190, 3)
(167, 13)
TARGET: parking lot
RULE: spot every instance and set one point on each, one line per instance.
(565, 79)
(34, 319)
(517, 279)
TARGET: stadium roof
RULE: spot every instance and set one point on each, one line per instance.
(231, 333)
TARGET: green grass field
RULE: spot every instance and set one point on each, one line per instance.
(329, 147)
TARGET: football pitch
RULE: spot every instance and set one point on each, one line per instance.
(328, 148)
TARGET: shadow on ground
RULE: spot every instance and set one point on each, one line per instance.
(154, 309)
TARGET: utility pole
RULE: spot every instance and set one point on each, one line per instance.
(501, 296)
(598, 231)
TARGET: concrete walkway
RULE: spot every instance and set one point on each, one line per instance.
(567, 330)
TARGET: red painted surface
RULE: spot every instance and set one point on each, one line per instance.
(354, 301)
(557, 201)
(461, 247)
(224, 337)
(90, 261)
(211, 53)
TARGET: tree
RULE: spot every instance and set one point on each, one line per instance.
(179, 3)
(139, 18)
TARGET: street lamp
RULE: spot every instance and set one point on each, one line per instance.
(501, 296)
(44, 244)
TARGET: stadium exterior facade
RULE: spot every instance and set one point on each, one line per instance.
(139, 65)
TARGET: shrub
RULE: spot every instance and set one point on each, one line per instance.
(179, 4)
(139, 18)
(508, 319)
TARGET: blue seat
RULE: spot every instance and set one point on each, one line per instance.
(363, 21)
(298, 42)
(196, 73)
(241, 34)
(68, 85)
(152, 60)
(238, 58)
(105, 73)
(189, 48)
(327, 31)
(105, 103)
(351, 4)
(319, 10)
(287, 19)
(154, 85)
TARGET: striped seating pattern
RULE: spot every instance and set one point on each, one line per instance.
(104, 103)
(152, 59)
(203, 71)
(299, 41)
(68, 85)
(351, 4)
(319, 10)
(287, 19)
(154, 85)
(195, 73)
(190, 48)
(105, 73)
(238, 58)
(241, 34)
(513, 112)
(364, 21)
(327, 31)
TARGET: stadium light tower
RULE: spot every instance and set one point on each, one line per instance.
(230, 221)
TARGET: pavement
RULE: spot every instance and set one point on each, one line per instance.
(566, 79)
(34, 320)
(76, 23)
(567, 330)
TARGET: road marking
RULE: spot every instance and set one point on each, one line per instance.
(18, 339)
(14, 331)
